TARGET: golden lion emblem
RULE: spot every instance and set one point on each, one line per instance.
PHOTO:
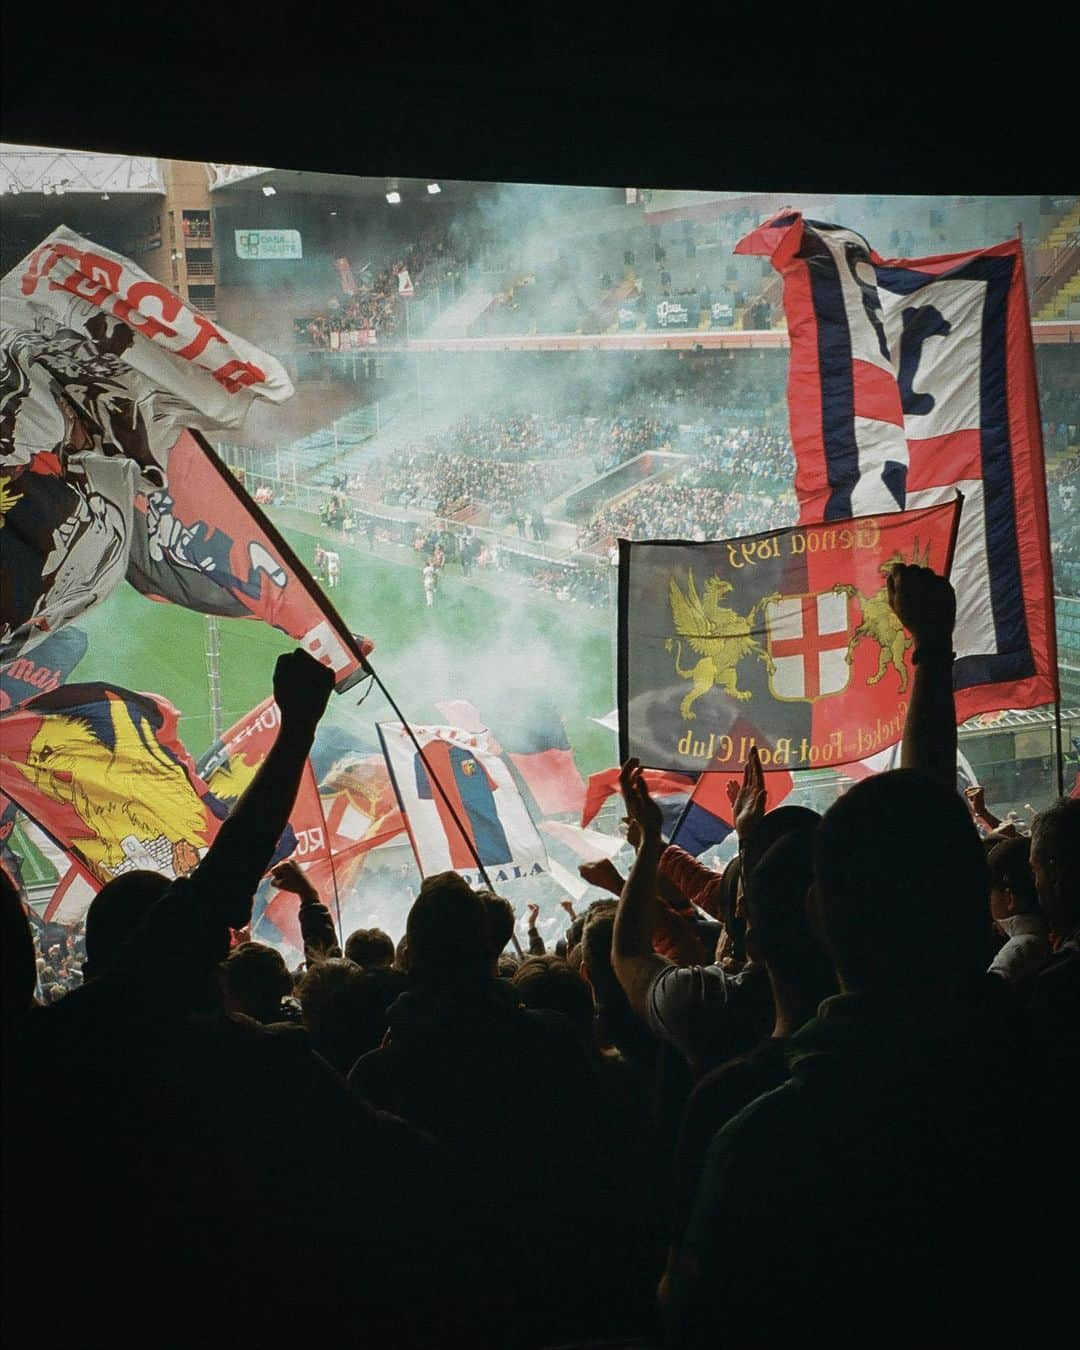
(879, 623)
(720, 636)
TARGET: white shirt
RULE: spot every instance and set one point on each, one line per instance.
(1027, 950)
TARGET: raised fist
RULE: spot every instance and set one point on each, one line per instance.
(288, 876)
(924, 603)
(302, 687)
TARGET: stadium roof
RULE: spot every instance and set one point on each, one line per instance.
(51, 172)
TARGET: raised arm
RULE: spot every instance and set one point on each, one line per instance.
(926, 605)
(241, 852)
(316, 924)
(636, 964)
(536, 942)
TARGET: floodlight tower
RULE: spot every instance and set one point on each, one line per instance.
(213, 675)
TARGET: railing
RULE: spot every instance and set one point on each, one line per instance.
(290, 489)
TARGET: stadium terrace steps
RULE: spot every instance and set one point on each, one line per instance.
(456, 319)
(1065, 304)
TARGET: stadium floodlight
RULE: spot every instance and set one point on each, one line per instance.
(394, 198)
(269, 190)
(433, 189)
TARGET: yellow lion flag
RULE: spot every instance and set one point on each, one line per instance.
(103, 771)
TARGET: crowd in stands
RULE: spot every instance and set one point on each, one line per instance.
(680, 510)
(820, 1097)
(447, 482)
(758, 458)
(506, 463)
(59, 952)
(1063, 489)
(376, 303)
(587, 585)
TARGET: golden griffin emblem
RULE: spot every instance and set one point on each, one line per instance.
(880, 624)
(719, 635)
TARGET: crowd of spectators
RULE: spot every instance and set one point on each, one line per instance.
(445, 483)
(566, 582)
(375, 305)
(729, 1106)
(757, 458)
(680, 510)
(1063, 490)
(59, 951)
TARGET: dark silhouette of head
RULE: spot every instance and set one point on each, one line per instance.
(370, 948)
(343, 1009)
(898, 854)
(500, 921)
(447, 932)
(114, 914)
(1012, 883)
(254, 980)
(547, 982)
(780, 931)
(1055, 861)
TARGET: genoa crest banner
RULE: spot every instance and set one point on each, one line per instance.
(911, 378)
(486, 800)
(103, 772)
(783, 639)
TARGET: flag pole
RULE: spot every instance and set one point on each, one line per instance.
(466, 837)
(329, 858)
(1060, 753)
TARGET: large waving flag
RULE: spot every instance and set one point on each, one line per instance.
(909, 379)
(493, 819)
(107, 379)
(75, 885)
(670, 791)
(103, 772)
(709, 817)
(231, 763)
(784, 640)
(328, 849)
(530, 732)
(46, 668)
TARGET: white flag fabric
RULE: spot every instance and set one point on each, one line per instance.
(102, 371)
(589, 845)
(574, 885)
(87, 335)
(482, 793)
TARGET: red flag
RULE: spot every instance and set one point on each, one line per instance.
(784, 640)
(231, 763)
(204, 544)
(910, 379)
(605, 784)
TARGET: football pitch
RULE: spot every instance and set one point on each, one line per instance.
(487, 638)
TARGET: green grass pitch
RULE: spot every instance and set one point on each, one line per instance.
(485, 638)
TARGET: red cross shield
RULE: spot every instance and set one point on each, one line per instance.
(808, 639)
